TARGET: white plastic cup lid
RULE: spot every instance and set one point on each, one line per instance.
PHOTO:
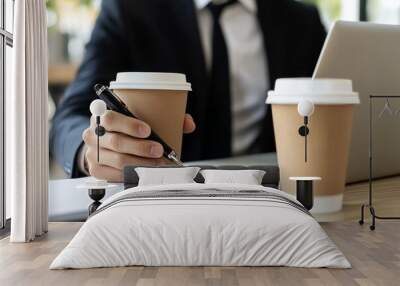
(319, 91)
(148, 80)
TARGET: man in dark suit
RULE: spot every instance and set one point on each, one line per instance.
(231, 52)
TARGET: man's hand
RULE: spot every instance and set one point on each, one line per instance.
(123, 144)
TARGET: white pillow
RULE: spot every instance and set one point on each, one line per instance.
(165, 176)
(247, 177)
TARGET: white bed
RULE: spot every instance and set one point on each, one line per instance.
(167, 226)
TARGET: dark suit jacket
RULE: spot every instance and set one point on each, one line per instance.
(163, 36)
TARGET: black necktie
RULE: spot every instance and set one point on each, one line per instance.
(218, 122)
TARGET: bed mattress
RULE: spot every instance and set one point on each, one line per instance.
(201, 225)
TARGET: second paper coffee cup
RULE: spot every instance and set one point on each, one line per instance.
(158, 99)
(328, 141)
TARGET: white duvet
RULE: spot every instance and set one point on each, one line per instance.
(188, 231)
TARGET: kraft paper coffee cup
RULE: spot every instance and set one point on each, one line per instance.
(328, 141)
(158, 99)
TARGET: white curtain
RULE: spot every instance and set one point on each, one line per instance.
(26, 123)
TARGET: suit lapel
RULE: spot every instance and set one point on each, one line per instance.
(186, 35)
(274, 30)
(190, 45)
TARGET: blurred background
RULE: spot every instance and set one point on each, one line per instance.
(70, 23)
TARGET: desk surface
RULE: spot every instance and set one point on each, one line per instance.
(67, 203)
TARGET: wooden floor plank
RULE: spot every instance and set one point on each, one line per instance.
(375, 256)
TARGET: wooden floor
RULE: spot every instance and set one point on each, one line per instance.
(375, 256)
(386, 200)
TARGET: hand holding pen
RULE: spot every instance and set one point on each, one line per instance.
(126, 142)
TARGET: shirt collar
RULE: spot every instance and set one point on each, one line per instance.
(248, 4)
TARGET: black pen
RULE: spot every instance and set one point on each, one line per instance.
(114, 103)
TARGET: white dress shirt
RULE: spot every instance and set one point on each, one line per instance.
(247, 64)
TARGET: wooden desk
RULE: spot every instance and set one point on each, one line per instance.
(386, 201)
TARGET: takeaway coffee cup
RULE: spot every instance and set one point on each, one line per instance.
(158, 99)
(328, 141)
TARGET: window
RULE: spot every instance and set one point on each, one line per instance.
(378, 11)
(6, 43)
(384, 11)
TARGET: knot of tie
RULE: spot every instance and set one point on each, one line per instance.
(216, 9)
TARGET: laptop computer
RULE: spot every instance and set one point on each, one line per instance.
(369, 54)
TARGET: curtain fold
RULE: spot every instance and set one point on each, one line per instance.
(27, 123)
